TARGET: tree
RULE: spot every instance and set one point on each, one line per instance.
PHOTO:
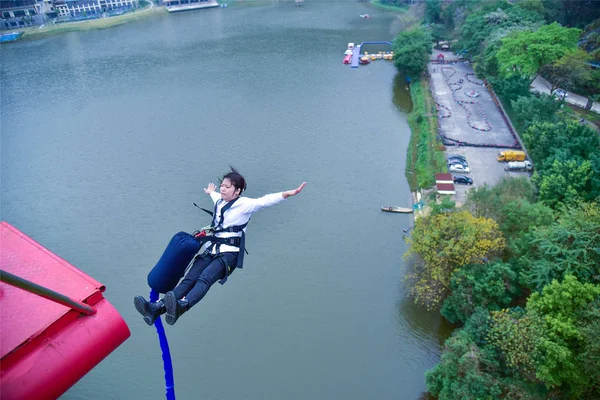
(571, 13)
(520, 216)
(470, 368)
(411, 51)
(562, 182)
(446, 205)
(532, 5)
(433, 11)
(441, 244)
(517, 335)
(555, 148)
(570, 246)
(588, 322)
(525, 53)
(558, 306)
(464, 371)
(571, 71)
(529, 110)
(492, 286)
(511, 204)
(490, 24)
(511, 87)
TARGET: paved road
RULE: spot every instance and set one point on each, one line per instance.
(540, 85)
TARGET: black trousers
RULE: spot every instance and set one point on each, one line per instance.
(206, 270)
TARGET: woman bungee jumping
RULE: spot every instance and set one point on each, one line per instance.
(223, 247)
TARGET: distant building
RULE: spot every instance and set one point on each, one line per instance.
(18, 13)
(24, 13)
(76, 8)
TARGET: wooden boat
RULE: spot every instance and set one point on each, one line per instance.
(397, 209)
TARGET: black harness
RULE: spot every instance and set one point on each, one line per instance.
(209, 235)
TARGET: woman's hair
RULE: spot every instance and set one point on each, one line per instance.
(236, 179)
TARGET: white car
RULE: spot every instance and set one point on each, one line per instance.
(459, 168)
(560, 94)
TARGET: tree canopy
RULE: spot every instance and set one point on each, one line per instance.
(411, 51)
(524, 53)
(442, 244)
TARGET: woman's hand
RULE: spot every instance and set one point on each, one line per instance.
(293, 192)
(211, 188)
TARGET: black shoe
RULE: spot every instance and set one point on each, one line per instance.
(150, 311)
(175, 308)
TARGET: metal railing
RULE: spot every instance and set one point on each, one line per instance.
(46, 293)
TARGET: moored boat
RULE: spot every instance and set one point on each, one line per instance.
(397, 209)
(181, 5)
(10, 37)
(364, 60)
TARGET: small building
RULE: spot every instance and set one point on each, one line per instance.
(444, 178)
(445, 188)
(18, 13)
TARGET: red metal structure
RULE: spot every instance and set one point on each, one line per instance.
(55, 324)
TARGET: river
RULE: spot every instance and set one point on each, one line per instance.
(109, 136)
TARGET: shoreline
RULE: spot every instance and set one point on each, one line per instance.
(33, 33)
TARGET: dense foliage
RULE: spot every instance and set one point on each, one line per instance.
(411, 51)
(442, 243)
(524, 53)
(517, 267)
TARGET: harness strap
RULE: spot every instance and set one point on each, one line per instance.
(237, 241)
(225, 208)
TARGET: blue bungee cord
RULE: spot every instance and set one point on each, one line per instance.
(166, 355)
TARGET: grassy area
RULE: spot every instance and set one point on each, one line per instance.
(101, 23)
(425, 151)
(388, 7)
(578, 113)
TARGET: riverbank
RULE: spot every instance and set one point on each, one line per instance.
(425, 155)
(100, 23)
(388, 7)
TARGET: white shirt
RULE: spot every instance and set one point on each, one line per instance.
(239, 214)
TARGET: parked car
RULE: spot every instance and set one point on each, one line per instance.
(560, 94)
(459, 168)
(462, 179)
(449, 156)
(457, 161)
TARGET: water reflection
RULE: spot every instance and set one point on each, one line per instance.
(428, 328)
(401, 94)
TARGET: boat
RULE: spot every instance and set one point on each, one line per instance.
(388, 56)
(347, 59)
(397, 209)
(177, 5)
(56, 324)
(364, 60)
(10, 37)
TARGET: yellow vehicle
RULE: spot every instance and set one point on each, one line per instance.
(511, 155)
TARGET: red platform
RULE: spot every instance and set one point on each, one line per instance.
(47, 347)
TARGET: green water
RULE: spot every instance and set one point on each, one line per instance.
(109, 136)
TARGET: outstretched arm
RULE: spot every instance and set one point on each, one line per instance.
(293, 192)
(210, 188)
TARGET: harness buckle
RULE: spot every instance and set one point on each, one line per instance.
(206, 231)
